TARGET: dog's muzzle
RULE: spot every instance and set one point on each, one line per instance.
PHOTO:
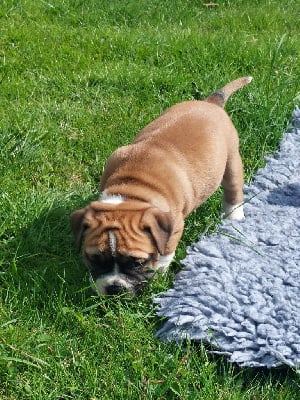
(112, 284)
(114, 289)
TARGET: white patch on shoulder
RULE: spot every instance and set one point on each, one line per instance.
(164, 262)
(111, 198)
(233, 212)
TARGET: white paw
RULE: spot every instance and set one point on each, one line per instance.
(233, 212)
(164, 262)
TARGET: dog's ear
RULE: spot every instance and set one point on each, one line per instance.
(77, 225)
(160, 226)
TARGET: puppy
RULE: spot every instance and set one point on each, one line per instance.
(150, 186)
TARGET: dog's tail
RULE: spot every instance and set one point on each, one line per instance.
(220, 97)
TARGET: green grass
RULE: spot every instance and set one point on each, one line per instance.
(78, 79)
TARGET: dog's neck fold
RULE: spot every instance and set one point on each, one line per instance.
(111, 198)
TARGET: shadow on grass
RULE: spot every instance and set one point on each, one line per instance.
(41, 260)
(253, 382)
(261, 375)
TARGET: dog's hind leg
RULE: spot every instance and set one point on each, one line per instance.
(232, 184)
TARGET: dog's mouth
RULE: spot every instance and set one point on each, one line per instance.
(117, 284)
(102, 287)
(117, 275)
(114, 289)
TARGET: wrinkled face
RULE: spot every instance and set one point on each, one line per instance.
(121, 247)
(113, 273)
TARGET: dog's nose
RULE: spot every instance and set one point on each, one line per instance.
(114, 289)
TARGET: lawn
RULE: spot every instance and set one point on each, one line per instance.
(78, 79)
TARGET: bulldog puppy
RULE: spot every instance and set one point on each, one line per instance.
(150, 186)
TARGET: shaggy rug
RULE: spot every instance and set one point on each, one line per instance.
(239, 290)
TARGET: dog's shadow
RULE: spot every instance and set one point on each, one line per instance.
(41, 261)
(288, 195)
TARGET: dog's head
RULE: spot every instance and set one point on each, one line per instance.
(123, 244)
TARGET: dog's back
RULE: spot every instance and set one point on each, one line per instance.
(181, 155)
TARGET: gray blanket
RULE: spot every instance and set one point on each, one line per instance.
(240, 287)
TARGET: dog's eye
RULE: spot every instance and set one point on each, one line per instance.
(94, 259)
(99, 263)
(138, 263)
